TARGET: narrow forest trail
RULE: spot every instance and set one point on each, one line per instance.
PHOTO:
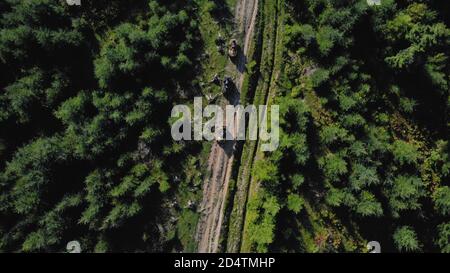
(221, 158)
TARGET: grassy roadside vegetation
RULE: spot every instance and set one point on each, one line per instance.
(255, 88)
(272, 49)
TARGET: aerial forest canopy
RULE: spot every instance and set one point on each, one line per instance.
(85, 147)
(375, 81)
(86, 151)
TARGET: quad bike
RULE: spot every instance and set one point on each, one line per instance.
(233, 49)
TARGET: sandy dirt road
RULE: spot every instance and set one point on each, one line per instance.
(221, 158)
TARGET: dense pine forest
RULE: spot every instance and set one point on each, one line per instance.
(364, 93)
(86, 151)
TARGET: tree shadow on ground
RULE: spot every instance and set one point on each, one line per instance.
(221, 13)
